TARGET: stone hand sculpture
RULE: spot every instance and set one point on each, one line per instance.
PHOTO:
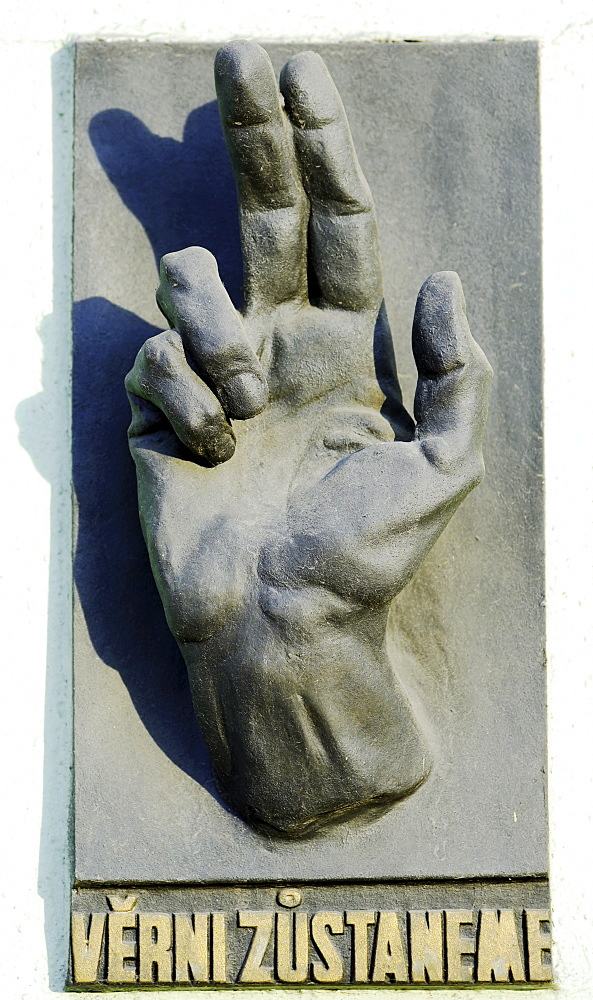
(286, 497)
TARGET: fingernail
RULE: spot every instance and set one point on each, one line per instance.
(244, 395)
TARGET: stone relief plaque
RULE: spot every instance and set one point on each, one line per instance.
(309, 631)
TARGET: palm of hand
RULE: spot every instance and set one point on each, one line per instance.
(278, 541)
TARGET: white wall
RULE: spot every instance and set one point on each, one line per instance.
(34, 369)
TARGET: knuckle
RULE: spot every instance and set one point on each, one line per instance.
(201, 617)
(476, 471)
(479, 369)
(471, 472)
(130, 381)
(439, 455)
(464, 467)
(160, 354)
(197, 606)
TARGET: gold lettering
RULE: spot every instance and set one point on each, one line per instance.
(360, 921)
(331, 967)
(460, 946)
(499, 955)
(86, 951)
(121, 954)
(539, 945)
(219, 947)
(155, 941)
(191, 947)
(292, 947)
(389, 961)
(253, 971)
(426, 946)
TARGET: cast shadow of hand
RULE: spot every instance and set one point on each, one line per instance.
(182, 193)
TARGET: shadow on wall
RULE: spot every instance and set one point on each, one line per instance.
(182, 193)
(120, 603)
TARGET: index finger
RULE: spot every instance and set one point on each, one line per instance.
(196, 303)
(272, 203)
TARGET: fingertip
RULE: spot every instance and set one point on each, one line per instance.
(180, 271)
(245, 83)
(186, 263)
(307, 62)
(440, 333)
(216, 447)
(310, 95)
(441, 292)
(238, 55)
(244, 396)
(204, 428)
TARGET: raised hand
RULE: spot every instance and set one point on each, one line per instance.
(285, 494)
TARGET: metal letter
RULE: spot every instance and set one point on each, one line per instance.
(155, 941)
(86, 951)
(253, 971)
(499, 954)
(539, 944)
(120, 951)
(191, 947)
(459, 947)
(389, 961)
(360, 921)
(292, 947)
(219, 974)
(426, 946)
(331, 967)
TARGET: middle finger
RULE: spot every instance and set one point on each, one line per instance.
(272, 203)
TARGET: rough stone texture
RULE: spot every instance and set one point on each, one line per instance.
(448, 142)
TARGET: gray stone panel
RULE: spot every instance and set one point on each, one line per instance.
(448, 138)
